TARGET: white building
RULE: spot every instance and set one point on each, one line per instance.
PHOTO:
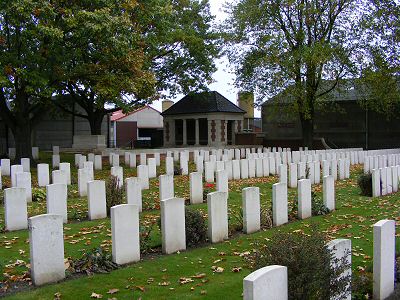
(143, 126)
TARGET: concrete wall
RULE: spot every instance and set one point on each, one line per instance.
(344, 124)
(55, 128)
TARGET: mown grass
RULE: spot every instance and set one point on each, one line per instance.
(160, 276)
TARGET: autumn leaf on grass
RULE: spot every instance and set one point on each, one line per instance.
(217, 269)
(236, 269)
(96, 296)
(113, 291)
(201, 275)
(164, 283)
(57, 296)
(184, 280)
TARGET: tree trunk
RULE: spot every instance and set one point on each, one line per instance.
(95, 121)
(307, 126)
(23, 144)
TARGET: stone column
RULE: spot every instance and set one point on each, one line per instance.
(211, 134)
(184, 133)
(197, 134)
(233, 132)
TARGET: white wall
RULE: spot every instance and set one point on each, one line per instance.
(145, 118)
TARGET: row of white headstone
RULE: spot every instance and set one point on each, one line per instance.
(385, 181)
(271, 282)
(380, 161)
(46, 231)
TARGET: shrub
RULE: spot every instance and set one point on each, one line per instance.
(207, 188)
(362, 286)
(38, 194)
(365, 184)
(177, 169)
(145, 235)
(93, 261)
(310, 272)
(114, 193)
(195, 225)
(266, 217)
(317, 205)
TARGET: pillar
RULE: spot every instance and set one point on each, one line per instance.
(197, 134)
(184, 132)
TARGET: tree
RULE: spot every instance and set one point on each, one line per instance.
(27, 37)
(171, 50)
(302, 47)
(104, 67)
(380, 75)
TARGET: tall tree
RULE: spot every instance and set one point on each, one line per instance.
(172, 40)
(302, 47)
(27, 37)
(104, 67)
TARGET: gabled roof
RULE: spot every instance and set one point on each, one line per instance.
(206, 102)
(118, 115)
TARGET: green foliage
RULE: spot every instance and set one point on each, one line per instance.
(317, 205)
(266, 217)
(364, 182)
(195, 226)
(362, 286)
(310, 272)
(235, 220)
(93, 261)
(114, 193)
(38, 194)
(146, 232)
(299, 51)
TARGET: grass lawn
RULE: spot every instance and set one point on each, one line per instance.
(189, 274)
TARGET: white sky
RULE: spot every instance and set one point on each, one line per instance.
(223, 77)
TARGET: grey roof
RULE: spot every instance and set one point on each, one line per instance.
(205, 102)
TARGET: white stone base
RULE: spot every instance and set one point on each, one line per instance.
(89, 142)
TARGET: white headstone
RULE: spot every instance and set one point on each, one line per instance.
(132, 160)
(166, 186)
(229, 169)
(157, 157)
(376, 183)
(67, 171)
(209, 171)
(24, 181)
(259, 167)
(268, 283)
(15, 169)
(341, 250)
(134, 192)
(96, 192)
(56, 200)
(283, 173)
(265, 162)
(58, 176)
(152, 167)
(26, 164)
(119, 173)
(222, 181)
(251, 209)
(304, 198)
(143, 175)
(169, 165)
(279, 204)
(244, 168)
(56, 150)
(5, 167)
(293, 175)
(384, 258)
(196, 188)
(329, 192)
(125, 233)
(35, 153)
(217, 208)
(98, 162)
(83, 178)
(15, 209)
(173, 225)
(55, 161)
(317, 172)
(143, 159)
(236, 169)
(88, 165)
(46, 242)
(43, 174)
(252, 168)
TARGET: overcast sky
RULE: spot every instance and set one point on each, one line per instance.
(224, 76)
